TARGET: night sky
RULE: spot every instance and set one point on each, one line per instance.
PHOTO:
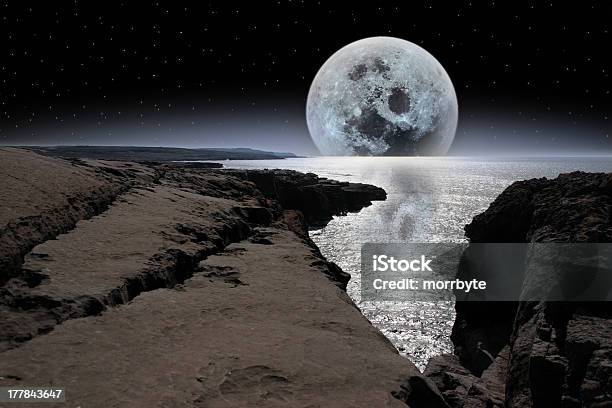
(530, 76)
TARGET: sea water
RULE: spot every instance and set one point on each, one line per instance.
(428, 200)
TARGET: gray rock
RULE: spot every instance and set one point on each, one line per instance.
(559, 351)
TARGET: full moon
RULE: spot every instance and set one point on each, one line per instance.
(382, 96)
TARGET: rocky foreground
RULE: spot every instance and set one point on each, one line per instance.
(144, 285)
(535, 353)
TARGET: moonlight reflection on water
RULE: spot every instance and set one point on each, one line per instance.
(419, 330)
(428, 200)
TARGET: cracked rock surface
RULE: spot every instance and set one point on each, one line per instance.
(148, 285)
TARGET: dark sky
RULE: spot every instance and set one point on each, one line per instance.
(529, 75)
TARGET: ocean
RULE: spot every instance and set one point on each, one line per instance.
(428, 200)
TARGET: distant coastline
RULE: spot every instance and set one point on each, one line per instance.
(156, 154)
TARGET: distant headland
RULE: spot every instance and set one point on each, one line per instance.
(156, 154)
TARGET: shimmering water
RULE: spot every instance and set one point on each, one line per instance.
(429, 200)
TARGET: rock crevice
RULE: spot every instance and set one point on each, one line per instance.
(223, 298)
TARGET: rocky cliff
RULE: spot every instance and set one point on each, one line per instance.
(317, 198)
(535, 353)
(161, 285)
